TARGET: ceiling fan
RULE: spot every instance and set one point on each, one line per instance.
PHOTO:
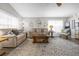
(59, 4)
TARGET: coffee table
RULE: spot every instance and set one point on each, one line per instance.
(40, 38)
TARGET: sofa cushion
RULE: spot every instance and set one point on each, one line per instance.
(16, 32)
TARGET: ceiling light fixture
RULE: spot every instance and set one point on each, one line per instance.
(59, 4)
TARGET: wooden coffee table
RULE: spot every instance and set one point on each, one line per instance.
(40, 38)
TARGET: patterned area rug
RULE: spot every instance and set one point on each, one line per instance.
(56, 47)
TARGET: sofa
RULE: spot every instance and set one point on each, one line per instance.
(13, 40)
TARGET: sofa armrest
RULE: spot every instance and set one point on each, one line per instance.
(11, 42)
(20, 38)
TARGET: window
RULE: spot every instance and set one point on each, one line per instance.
(57, 25)
(8, 21)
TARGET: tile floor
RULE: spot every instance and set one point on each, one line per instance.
(56, 47)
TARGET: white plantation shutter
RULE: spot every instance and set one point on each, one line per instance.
(8, 21)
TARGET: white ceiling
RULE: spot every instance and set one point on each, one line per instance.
(45, 9)
(9, 9)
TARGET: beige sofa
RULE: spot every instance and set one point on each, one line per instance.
(14, 40)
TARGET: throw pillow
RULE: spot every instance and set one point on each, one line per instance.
(15, 31)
